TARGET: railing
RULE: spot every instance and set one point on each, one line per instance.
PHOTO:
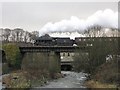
(52, 48)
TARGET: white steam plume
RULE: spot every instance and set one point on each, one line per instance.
(106, 18)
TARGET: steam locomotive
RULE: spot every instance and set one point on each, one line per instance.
(46, 40)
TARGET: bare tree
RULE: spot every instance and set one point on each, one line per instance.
(18, 33)
(93, 31)
(1, 34)
(114, 32)
(30, 37)
(6, 34)
(13, 36)
(26, 36)
(34, 35)
(21, 35)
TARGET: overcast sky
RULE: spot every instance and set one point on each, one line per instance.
(50, 16)
(33, 16)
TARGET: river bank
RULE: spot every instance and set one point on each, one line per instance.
(71, 80)
(95, 85)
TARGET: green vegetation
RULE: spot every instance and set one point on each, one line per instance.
(107, 73)
(54, 64)
(96, 55)
(99, 52)
(37, 65)
(13, 55)
(81, 62)
(102, 73)
(34, 68)
(105, 76)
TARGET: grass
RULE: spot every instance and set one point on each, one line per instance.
(95, 85)
(106, 76)
(16, 80)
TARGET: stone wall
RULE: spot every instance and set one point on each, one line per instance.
(41, 61)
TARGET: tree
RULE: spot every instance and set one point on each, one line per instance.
(101, 48)
(93, 31)
(18, 33)
(13, 55)
(81, 62)
(21, 35)
(26, 36)
(13, 36)
(115, 32)
(1, 34)
(34, 35)
(6, 34)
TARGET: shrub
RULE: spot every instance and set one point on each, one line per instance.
(16, 80)
(107, 73)
(81, 62)
(36, 64)
(13, 55)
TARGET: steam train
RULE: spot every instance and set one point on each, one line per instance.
(46, 40)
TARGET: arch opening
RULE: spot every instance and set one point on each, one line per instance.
(66, 67)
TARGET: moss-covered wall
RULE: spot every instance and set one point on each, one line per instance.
(35, 61)
(42, 61)
(54, 62)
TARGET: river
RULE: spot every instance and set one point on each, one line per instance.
(71, 80)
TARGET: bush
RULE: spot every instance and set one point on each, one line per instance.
(36, 64)
(16, 80)
(13, 55)
(81, 62)
(100, 50)
(107, 73)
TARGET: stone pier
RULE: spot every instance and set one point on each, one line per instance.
(49, 61)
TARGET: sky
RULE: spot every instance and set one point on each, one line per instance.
(47, 17)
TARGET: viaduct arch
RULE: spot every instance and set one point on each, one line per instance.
(52, 53)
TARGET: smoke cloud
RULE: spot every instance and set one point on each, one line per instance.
(105, 18)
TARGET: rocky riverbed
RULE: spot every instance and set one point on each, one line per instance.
(71, 80)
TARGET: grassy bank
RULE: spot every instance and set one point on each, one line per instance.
(24, 79)
(94, 85)
(106, 76)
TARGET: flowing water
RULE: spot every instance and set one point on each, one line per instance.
(71, 80)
